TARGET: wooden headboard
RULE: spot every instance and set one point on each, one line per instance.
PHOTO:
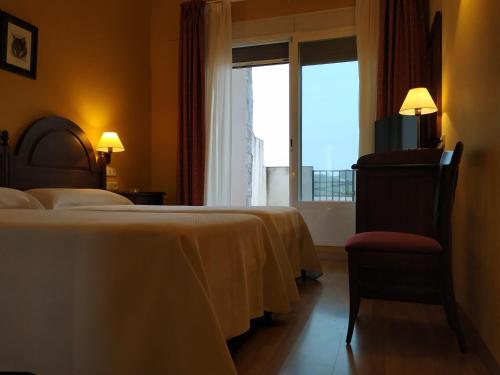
(52, 152)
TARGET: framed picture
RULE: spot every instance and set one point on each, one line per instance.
(18, 46)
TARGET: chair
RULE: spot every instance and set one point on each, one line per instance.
(413, 264)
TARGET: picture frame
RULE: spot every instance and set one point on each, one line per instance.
(18, 46)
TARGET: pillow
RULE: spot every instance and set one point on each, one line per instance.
(12, 198)
(60, 198)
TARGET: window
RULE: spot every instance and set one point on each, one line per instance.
(329, 130)
(328, 122)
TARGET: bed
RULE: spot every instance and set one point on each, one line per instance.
(263, 249)
(91, 303)
(54, 152)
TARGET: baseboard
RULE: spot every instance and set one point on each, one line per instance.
(475, 342)
(331, 253)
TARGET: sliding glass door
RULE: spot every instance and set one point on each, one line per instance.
(325, 132)
(296, 129)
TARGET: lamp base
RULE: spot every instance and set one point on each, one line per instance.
(107, 156)
(419, 142)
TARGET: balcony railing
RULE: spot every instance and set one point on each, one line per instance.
(333, 185)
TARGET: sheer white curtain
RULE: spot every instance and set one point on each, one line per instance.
(367, 32)
(218, 103)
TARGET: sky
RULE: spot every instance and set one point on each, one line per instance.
(329, 114)
(271, 112)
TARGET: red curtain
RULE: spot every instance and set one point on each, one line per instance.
(409, 56)
(405, 60)
(191, 130)
(402, 52)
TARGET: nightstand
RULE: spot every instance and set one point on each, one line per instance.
(144, 197)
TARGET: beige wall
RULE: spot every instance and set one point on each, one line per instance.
(164, 69)
(165, 16)
(471, 113)
(93, 68)
(255, 9)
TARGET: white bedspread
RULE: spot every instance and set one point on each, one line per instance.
(286, 226)
(134, 293)
(279, 289)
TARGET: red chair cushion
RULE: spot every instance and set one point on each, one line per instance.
(393, 242)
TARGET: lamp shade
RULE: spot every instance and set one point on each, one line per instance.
(110, 140)
(418, 101)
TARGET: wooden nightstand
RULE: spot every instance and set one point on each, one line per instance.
(144, 197)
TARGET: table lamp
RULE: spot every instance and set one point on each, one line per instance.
(418, 102)
(109, 143)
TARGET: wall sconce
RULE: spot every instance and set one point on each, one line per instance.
(418, 102)
(109, 143)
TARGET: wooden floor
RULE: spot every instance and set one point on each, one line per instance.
(389, 337)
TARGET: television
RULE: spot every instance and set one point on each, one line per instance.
(395, 133)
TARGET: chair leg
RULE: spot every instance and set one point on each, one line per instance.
(353, 314)
(354, 298)
(450, 307)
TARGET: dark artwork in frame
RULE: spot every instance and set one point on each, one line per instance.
(18, 46)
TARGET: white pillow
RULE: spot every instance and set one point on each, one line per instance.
(61, 198)
(12, 198)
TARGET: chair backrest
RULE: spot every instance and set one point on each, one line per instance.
(450, 162)
(408, 191)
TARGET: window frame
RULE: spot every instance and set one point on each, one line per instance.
(260, 54)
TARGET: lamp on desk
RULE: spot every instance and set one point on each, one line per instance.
(418, 102)
(109, 143)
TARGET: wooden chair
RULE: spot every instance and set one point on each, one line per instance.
(405, 255)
